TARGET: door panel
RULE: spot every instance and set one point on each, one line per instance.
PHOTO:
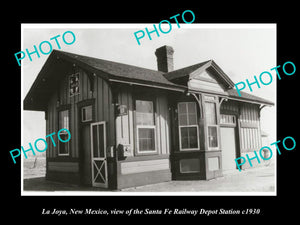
(98, 155)
(228, 148)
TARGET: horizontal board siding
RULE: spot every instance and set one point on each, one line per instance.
(63, 166)
(144, 166)
(205, 85)
(138, 179)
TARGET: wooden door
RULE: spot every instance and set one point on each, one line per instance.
(98, 155)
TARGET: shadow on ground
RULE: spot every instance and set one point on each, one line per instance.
(252, 180)
(41, 184)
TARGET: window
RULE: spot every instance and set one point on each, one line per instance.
(188, 126)
(212, 124)
(63, 147)
(227, 119)
(87, 113)
(189, 165)
(145, 126)
(74, 84)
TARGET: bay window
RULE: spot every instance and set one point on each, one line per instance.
(211, 121)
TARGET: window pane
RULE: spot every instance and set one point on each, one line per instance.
(144, 112)
(64, 119)
(212, 137)
(144, 106)
(87, 113)
(189, 137)
(189, 165)
(210, 112)
(192, 119)
(63, 146)
(191, 107)
(193, 137)
(74, 84)
(183, 119)
(184, 138)
(209, 98)
(146, 139)
(95, 142)
(187, 113)
(182, 107)
(101, 140)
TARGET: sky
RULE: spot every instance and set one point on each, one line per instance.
(241, 50)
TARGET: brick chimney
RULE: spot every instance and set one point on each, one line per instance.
(164, 57)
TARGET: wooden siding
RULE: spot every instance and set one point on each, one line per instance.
(229, 107)
(104, 110)
(63, 166)
(248, 123)
(124, 123)
(250, 134)
(204, 81)
(125, 131)
(144, 166)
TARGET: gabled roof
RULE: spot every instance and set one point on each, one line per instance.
(248, 97)
(49, 76)
(209, 65)
(119, 70)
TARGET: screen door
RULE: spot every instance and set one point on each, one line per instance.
(98, 154)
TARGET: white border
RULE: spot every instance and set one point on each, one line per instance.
(126, 26)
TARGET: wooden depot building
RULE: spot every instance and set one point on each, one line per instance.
(133, 126)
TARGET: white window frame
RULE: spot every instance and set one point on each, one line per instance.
(180, 126)
(138, 142)
(212, 125)
(63, 132)
(217, 126)
(155, 151)
(228, 124)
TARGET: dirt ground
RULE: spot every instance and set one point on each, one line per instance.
(261, 179)
(34, 167)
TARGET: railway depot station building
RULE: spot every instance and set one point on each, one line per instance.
(133, 126)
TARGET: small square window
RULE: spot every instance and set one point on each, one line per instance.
(87, 113)
(189, 165)
(212, 136)
(74, 84)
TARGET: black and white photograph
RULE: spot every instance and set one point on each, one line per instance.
(160, 117)
(145, 111)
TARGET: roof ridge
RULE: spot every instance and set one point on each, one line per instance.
(75, 55)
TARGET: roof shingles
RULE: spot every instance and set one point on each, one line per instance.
(120, 71)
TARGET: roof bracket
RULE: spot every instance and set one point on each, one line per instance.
(222, 99)
(199, 101)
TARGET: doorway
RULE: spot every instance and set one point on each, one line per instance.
(228, 142)
(98, 155)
